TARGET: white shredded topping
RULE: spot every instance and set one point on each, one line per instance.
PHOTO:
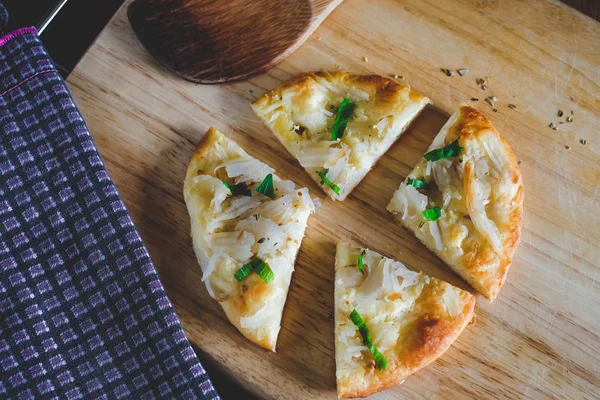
(246, 169)
(206, 272)
(476, 198)
(435, 233)
(237, 244)
(238, 206)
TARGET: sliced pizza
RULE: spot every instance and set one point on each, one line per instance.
(337, 125)
(390, 321)
(246, 227)
(464, 200)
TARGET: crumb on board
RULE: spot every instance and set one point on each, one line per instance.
(447, 71)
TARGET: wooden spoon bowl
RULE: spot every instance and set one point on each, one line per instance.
(214, 41)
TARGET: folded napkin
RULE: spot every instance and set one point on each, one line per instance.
(83, 314)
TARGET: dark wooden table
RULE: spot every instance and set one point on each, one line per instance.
(590, 8)
(88, 18)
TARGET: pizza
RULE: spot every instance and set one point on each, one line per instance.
(337, 125)
(247, 226)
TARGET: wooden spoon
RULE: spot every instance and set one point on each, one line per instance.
(213, 41)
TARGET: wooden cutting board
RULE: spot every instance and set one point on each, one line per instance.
(539, 339)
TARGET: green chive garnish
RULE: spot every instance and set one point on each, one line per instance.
(257, 265)
(451, 150)
(433, 213)
(264, 271)
(266, 187)
(341, 119)
(243, 272)
(380, 360)
(326, 181)
(361, 268)
(417, 183)
(239, 189)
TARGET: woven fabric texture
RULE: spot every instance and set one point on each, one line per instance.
(83, 314)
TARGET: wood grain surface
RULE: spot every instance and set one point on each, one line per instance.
(208, 41)
(539, 339)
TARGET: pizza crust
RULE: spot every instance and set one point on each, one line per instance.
(480, 193)
(228, 231)
(411, 326)
(308, 104)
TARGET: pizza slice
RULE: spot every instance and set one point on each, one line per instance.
(246, 227)
(337, 125)
(390, 321)
(464, 200)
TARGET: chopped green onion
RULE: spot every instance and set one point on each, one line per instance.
(427, 279)
(360, 262)
(264, 271)
(257, 265)
(417, 183)
(243, 272)
(380, 360)
(433, 213)
(341, 119)
(266, 187)
(362, 327)
(451, 150)
(240, 189)
(325, 180)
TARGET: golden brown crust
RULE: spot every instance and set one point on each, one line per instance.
(210, 138)
(201, 154)
(473, 123)
(432, 336)
(385, 95)
(386, 88)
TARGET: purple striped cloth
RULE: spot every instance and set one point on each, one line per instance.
(83, 314)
